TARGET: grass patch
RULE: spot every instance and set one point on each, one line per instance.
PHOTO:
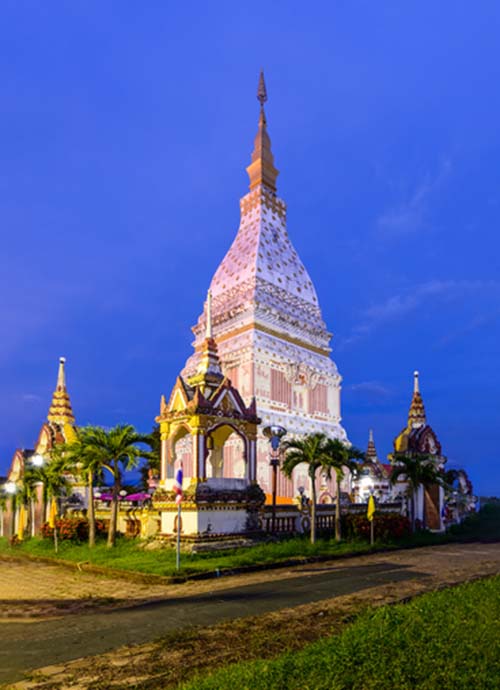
(129, 556)
(447, 639)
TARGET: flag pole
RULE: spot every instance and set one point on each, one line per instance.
(371, 515)
(178, 551)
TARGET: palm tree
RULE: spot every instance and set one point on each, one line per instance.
(27, 495)
(112, 450)
(418, 470)
(88, 464)
(310, 451)
(53, 475)
(338, 456)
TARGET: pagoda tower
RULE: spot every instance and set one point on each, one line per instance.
(419, 440)
(60, 424)
(266, 321)
(59, 427)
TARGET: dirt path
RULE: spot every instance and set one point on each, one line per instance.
(274, 606)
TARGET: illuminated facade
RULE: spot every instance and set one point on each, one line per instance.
(267, 323)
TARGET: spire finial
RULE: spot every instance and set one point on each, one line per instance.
(261, 170)
(208, 333)
(61, 378)
(261, 90)
(416, 388)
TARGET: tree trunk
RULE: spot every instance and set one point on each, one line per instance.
(338, 528)
(313, 507)
(56, 541)
(91, 511)
(114, 511)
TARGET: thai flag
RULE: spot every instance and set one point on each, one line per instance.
(178, 486)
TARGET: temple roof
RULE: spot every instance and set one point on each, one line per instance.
(417, 436)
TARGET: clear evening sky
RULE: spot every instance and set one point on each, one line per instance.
(126, 129)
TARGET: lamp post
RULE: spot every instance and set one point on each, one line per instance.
(274, 433)
(11, 488)
(37, 461)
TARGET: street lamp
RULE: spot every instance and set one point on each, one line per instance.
(274, 433)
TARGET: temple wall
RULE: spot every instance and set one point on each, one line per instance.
(223, 521)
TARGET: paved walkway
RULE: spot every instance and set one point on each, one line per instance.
(25, 646)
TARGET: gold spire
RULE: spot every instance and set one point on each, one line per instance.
(60, 410)
(416, 415)
(209, 372)
(261, 170)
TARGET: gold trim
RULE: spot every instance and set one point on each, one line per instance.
(276, 334)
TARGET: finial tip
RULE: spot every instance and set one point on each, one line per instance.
(261, 90)
(62, 360)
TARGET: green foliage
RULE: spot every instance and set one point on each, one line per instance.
(387, 526)
(447, 640)
(130, 554)
(483, 525)
(418, 470)
(113, 450)
(74, 529)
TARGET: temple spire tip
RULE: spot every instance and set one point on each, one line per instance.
(61, 378)
(416, 388)
(261, 170)
(261, 89)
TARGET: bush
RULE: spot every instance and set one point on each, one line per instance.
(387, 526)
(72, 529)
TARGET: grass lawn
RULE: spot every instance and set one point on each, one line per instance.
(446, 640)
(128, 556)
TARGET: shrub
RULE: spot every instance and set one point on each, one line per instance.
(387, 526)
(72, 529)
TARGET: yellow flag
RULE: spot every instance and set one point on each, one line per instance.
(53, 513)
(21, 523)
(371, 508)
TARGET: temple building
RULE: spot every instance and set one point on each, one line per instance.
(417, 439)
(204, 413)
(59, 427)
(272, 341)
(373, 477)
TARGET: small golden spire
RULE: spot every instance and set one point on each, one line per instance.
(261, 170)
(60, 410)
(416, 415)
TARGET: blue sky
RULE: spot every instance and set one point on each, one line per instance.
(126, 131)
